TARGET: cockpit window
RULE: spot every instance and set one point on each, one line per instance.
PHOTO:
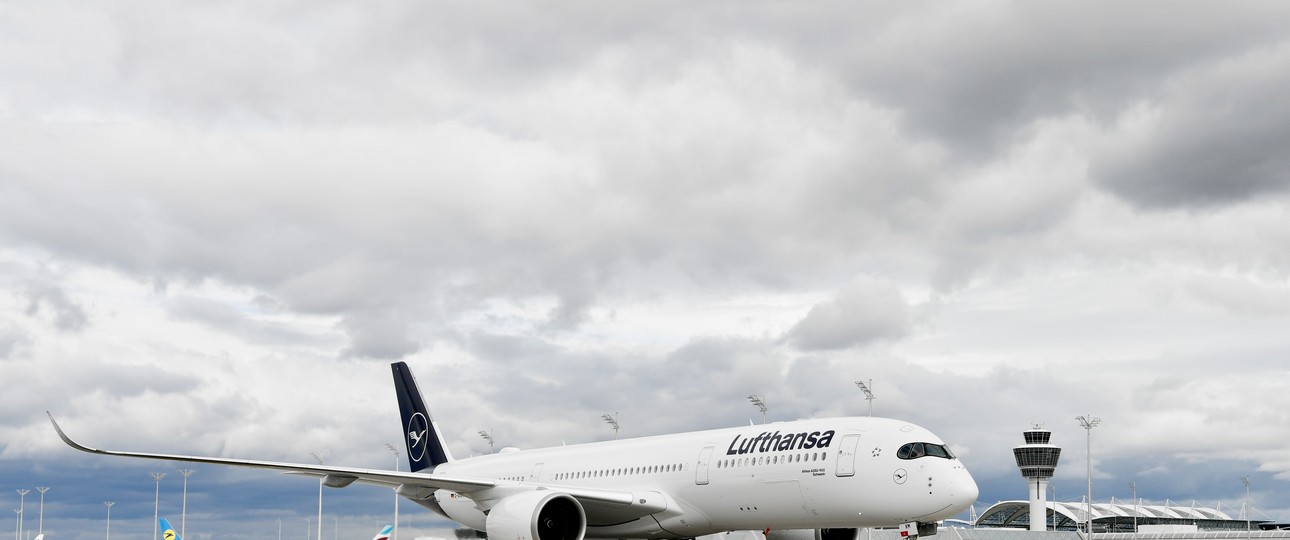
(918, 449)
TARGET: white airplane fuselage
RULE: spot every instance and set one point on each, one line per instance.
(709, 486)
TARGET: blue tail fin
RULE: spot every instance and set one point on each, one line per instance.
(425, 445)
(167, 531)
(384, 534)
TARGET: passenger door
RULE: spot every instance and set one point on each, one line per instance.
(701, 470)
(847, 455)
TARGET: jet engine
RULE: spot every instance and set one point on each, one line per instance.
(814, 534)
(537, 515)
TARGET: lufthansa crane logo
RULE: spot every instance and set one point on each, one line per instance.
(418, 428)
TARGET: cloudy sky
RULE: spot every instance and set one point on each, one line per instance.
(219, 223)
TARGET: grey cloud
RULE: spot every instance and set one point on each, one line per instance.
(50, 299)
(13, 339)
(863, 313)
(1242, 296)
(976, 77)
(379, 334)
(221, 316)
(69, 390)
(536, 378)
(1216, 136)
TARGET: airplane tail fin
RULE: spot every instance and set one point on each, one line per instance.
(384, 534)
(167, 531)
(425, 445)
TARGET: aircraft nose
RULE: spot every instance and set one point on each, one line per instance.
(965, 489)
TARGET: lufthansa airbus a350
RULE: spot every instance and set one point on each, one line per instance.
(820, 478)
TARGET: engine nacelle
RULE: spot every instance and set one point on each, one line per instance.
(537, 515)
(814, 534)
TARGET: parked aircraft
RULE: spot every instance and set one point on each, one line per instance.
(822, 478)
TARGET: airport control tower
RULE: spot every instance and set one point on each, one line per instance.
(1037, 459)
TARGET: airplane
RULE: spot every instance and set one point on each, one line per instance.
(385, 532)
(819, 478)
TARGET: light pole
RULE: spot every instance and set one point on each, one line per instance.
(183, 513)
(1134, 486)
(156, 503)
(394, 535)
(756, 400)
(42, 491)
(320, 486)
(1246, 480)
(22, 497)
(868, 394)
(279, 528)
(487, 437)
(1088, 423)
(613, 421)
(109, 504)
(17, 524)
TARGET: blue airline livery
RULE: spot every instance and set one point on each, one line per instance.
(819, 479)
(167, 532)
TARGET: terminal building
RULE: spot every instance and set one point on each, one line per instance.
(1115, 517)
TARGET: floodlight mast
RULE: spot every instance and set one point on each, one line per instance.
(1246, 480)
(394, 534)
(109, 504)
(22, 497)
(42, 491)
(319, 459)
(613, 421)
(1133, 485)
(183, 513)
(487, 437)
(1088, 422)
(156, 502)
(868, 394)
(756, 400)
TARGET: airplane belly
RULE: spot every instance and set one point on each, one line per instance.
(679, 520)
(461, 509)
(751, 503)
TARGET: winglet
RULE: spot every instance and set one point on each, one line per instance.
(69, 440)
(425, 446)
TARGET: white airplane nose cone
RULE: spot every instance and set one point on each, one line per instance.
(966, 490)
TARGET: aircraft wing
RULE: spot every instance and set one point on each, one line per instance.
(344, 476)
(338, 476)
